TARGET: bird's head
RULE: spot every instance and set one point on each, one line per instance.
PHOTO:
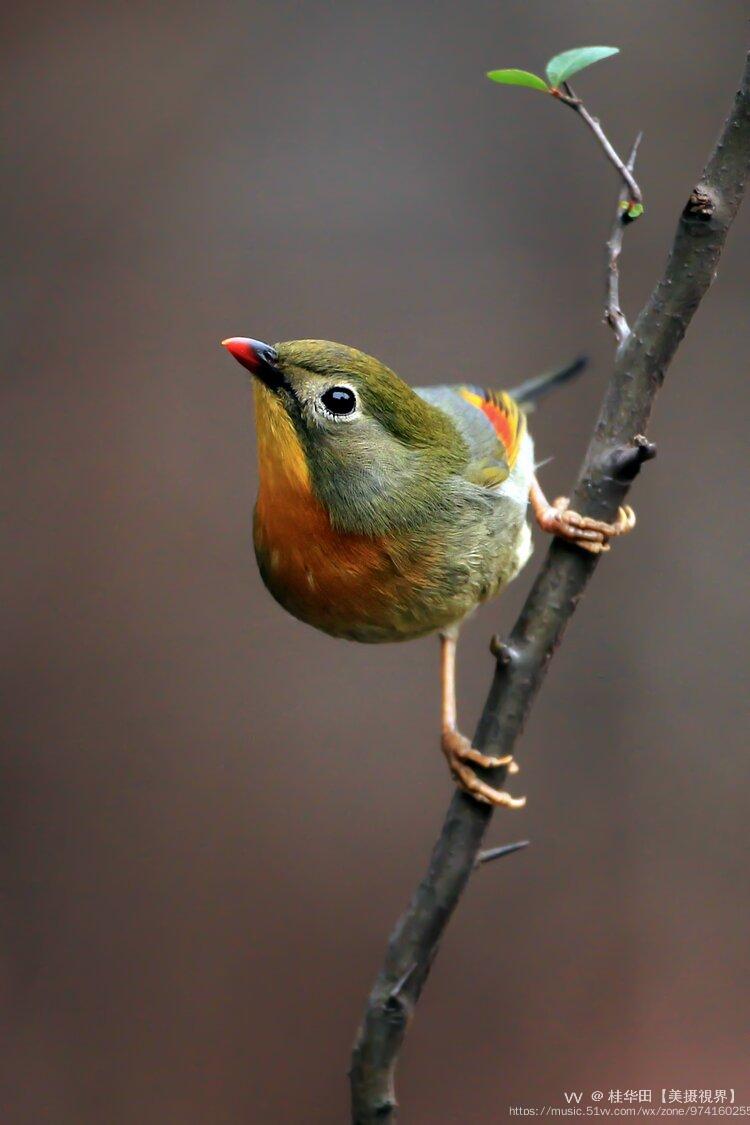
(374, 453)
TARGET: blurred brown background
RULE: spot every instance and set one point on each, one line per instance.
(210, 815)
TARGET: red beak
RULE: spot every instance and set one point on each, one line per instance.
(260, 359)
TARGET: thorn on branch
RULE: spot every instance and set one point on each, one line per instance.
(626, 460)
(497, 853)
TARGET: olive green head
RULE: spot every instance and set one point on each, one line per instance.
(378, 455)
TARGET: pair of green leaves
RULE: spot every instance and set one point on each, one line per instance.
(559, 69)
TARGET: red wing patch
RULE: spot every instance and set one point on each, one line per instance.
(507, 418)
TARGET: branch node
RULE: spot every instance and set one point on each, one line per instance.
(502, 651)
(396, 1007)
(646, 447)
(625, 460)
(701, 205)
(385, 1109)
(497, 853)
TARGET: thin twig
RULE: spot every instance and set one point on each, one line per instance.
(615, 452)
(497, 853)
(567, 96)
(613, 314)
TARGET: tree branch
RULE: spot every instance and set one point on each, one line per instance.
(613, 314)
(615, 453)
(567, 96)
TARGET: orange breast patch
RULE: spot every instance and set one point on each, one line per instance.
(328, 578)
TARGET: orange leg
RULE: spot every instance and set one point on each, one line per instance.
(457, 748)
(592, 535)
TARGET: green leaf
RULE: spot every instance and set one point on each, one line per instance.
(630, 211)
(519, 78)
(564, 66)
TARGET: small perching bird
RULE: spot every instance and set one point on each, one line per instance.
(386, 512)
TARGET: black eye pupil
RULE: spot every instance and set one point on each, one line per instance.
(339, 400)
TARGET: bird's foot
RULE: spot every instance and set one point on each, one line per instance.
(462, 756)
(590, 534)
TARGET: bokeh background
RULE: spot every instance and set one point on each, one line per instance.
(210, 815)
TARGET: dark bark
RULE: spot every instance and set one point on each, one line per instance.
(615, 453)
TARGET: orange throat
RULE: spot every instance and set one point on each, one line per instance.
(323, 576)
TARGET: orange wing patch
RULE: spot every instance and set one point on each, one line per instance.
(507, 418)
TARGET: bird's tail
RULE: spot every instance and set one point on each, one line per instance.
(527, 393)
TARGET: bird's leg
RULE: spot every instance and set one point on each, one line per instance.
(592, 535)
(457, 748)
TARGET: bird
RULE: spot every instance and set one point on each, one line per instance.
(387, 512)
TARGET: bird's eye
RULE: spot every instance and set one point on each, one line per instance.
(339, 400)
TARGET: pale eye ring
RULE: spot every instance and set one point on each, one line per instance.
(339, 401)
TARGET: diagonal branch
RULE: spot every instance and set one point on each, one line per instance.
(633, 195)
(613, 314)
(612, 461)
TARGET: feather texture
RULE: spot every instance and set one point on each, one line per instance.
(491, 423)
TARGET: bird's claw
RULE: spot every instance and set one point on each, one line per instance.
(461, 756)
(590, 534)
